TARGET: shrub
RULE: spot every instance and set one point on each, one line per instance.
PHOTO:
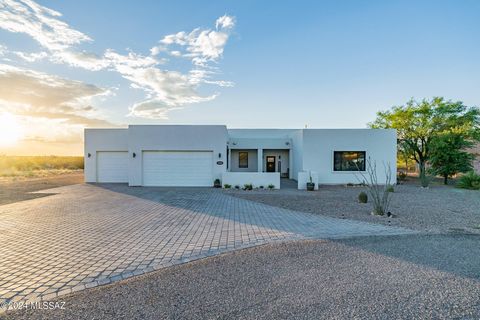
(247, 186)
(470, 180)
(237, 187)
(390, 188)
(271, 186)
(261, 187)
(363, 197)
(402, 176)
(227, 186)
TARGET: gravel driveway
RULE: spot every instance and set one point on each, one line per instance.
(395, 277)
(438, 209)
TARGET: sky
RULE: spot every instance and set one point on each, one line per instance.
(67, 65)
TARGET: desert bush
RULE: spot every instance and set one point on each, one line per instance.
(237, 187)
(363, 197)
(247, 186)
(14, 165)
(402, 176)
(271, 186)
(390, 188)
(377, 191)
(470, 180)
(227, 186)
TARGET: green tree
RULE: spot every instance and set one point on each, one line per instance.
(448, 155)
(419, 123)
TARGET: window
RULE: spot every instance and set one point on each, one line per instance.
(349, 161)
(243, 159)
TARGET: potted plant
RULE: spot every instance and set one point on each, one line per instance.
(310, 184)
(217, 183)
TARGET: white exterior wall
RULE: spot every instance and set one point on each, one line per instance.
(101, 140)
(257, 179)
(319, 144)
(176, 138)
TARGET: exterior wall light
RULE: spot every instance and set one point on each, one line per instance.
(134, 154)
(219, 155)
(89, 155)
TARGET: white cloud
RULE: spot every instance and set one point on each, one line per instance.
(225, 22)
(39, 22)
(36, 94)
(201, 46)
(165, 89)
(31, 57)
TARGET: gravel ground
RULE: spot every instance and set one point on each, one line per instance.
(14, 190)
(436, 209)
(401, 277)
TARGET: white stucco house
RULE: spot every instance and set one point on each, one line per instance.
(196, 155)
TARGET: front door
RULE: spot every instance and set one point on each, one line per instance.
(270, 163)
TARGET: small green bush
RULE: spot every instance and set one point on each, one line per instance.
(363, 197)
(248, 186)
(402, 176)
(390, 189)
(261, 187)
(271, 186)
(227, 186)
(237, 187)
(470, 180)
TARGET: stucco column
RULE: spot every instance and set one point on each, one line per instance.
(229, 161)
(260, 160)
(290, 163)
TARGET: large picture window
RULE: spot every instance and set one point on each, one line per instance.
(349, 161)
(243, 159)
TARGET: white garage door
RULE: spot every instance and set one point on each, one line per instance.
(112, 166)
(177, 168)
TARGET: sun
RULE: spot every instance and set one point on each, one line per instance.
(10, 130)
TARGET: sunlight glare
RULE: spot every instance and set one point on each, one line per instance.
(10, 129)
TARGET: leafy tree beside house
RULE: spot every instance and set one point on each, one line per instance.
(420, 123)
(448, 155)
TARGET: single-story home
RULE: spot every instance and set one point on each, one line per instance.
(196, 155)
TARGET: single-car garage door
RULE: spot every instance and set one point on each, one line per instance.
(112, 166)
(177, 168)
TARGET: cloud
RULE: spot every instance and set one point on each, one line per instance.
(39, 22)
(165, 89)
(31, 57)
(200, 45)
(63, 105)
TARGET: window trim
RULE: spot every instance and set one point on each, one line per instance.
(244, 166)
(349, 171)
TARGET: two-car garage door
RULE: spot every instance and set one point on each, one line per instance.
(177, 168)
(159, 168)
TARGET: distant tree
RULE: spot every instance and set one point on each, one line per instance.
(448, 155)
(419, 123)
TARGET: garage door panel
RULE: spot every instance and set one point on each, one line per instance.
(112, 167)
(172, 168)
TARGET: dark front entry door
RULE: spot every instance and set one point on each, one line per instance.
(270, 163)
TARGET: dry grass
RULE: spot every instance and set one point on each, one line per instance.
(38, 166)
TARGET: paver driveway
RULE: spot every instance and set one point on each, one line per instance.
(88, 235)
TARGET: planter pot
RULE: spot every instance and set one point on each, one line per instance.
(217, 184)
(310, 186)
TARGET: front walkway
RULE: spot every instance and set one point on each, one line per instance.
(88, 235)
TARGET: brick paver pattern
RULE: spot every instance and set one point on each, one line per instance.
(88, 235)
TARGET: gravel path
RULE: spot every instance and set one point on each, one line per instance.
(437, 209)
(396, 277)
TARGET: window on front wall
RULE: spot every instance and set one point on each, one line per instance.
(243, 159)
(349, 161)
